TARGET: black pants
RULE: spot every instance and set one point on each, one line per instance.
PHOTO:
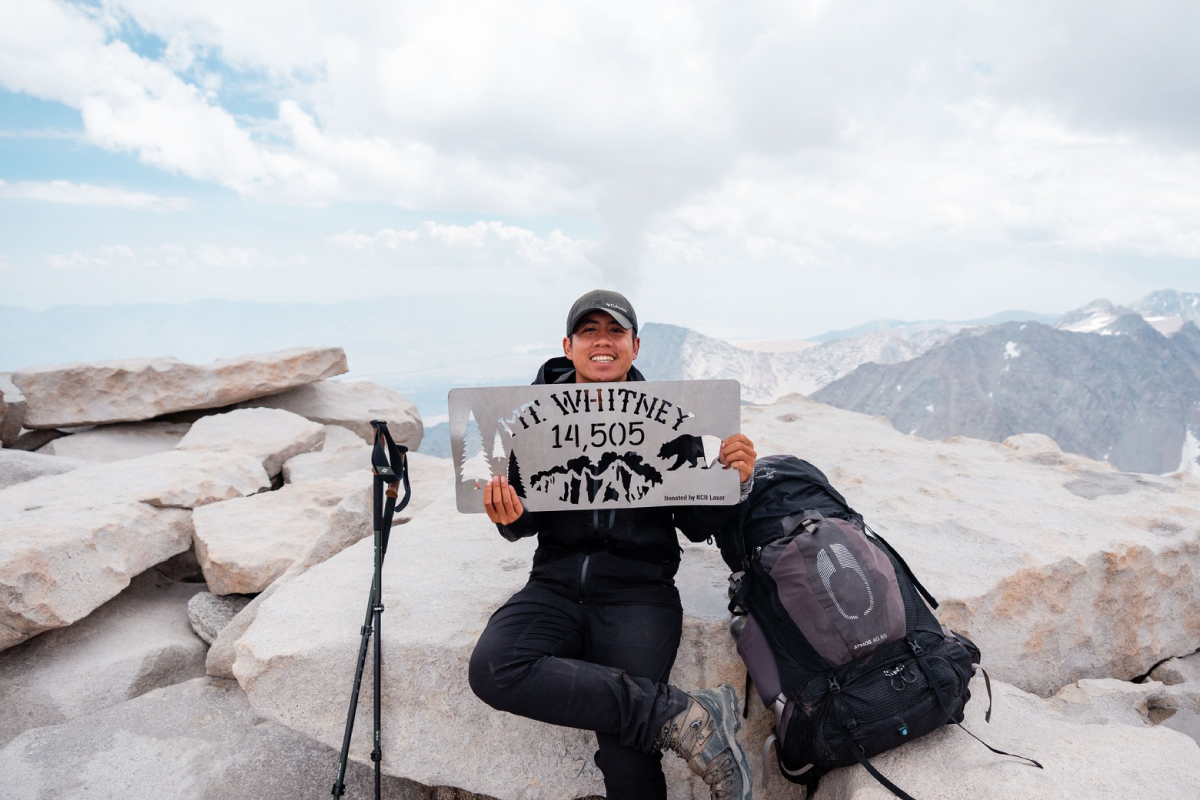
(597, 667)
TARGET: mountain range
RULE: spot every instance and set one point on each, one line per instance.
(1119, 384)
(1115, 382)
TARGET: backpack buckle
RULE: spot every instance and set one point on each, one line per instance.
(834, 688)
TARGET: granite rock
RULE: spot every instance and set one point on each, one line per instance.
(272, 435)
(342, 453)
(246, 543)
(352, 405)
(349, 523)
(1094, 741)
(106, 443)
(71, 542)
(137, 389)
(1185, 669)
(209, 613)
(18, 466)
(198, 740)
(138, 641)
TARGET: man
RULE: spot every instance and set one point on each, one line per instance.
(590, 640)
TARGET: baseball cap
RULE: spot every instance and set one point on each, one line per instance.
(607, 301)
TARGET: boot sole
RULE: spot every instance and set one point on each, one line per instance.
(730, 732)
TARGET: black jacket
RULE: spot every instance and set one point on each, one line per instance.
(613, 556)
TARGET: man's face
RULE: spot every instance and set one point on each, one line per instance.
(601, 350)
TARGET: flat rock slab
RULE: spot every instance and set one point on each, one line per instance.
(166, 480)
(118, 442)
(138, 389)
(138, 641)
(198, 740)
(271, 435)
(351, 404)
(57, 565)
(18, 466)
(1092, 747)
(71, 542)
(1059, 567)
(245, 544)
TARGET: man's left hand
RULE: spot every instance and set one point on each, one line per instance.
(738, 452)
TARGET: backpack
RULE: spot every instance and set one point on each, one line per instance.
(831, 625)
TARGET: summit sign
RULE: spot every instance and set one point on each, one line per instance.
(600, 445)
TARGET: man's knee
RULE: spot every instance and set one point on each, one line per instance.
(493, 673)
(482, 677)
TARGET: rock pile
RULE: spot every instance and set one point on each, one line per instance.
(104, 504)
(1075, 579)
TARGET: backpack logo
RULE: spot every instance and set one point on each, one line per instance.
(848, 562)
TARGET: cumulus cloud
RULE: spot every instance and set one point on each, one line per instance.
(85, 194)
(822, 146)
(434, 244)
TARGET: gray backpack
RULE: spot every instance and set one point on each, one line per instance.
(833, 631)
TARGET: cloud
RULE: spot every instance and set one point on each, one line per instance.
(171, 261)
(85, 194)
(806, 146)
(495, 243)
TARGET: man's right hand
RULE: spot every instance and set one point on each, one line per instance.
(501, 502)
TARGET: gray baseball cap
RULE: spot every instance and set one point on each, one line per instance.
(607, 301)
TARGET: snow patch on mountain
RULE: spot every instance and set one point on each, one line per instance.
(1166, 311)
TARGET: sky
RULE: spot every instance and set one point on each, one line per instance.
(749, 170)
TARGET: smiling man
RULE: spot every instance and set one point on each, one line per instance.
(590, 640)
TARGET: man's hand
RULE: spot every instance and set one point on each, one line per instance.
(501, 502)
(738, 452)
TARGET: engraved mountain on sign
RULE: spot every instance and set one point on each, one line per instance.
(615, 477)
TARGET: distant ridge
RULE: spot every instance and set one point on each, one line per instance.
(908, 328)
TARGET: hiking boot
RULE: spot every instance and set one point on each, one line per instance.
(703, 735)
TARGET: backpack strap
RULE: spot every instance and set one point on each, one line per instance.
(929, 598)
(389, 463)
(937, 691)
(876, 774)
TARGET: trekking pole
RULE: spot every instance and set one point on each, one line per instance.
(389, 465)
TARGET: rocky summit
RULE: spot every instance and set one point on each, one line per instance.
(247, 554)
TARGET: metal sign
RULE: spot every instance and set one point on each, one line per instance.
(599, 445)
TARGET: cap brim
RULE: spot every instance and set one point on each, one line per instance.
(621, 319)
